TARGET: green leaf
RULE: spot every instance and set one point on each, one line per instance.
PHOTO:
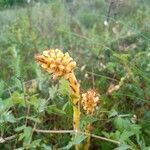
(64, 87)
(125, 135)
(135, 128)
(145, 122)
(34, 101)
(121, 123)
(77, 139)
(146, 148)
(21, 136)
(52, 92)
(18, 129)
(29, 118)
(123, 147)
(18, 98)
(9, 117)
(35, 143)
(2, 107)
(113, 113)
(46, 147)
(111, 66)
(21, 148)
(85, 120)
(27, 135)
(67, 108)
(42, 105)
(53, 109)
(5, 105)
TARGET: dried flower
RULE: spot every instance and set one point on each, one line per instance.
(113, 87)
(56, 62)
(89, 101)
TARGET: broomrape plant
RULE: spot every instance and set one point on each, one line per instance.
(62, 65)
(89, 102)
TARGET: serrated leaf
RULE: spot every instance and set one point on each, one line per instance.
(121, 123)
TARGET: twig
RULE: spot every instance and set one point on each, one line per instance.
(54, 131)
(74, 132)
(99, 75)
(3, 140)
(101, 138)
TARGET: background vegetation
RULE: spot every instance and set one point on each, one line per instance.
(110, 42)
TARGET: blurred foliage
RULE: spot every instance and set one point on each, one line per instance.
(8, 3)
(113, 37)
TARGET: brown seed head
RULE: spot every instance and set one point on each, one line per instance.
(56, 62)
(89, 101)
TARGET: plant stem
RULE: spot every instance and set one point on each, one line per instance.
(80, 132)
(87, 131)
(75, 93)
(3, 140)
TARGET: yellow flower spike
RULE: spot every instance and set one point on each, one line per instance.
(62, 65)
(46, 53)
(52, 66)
(58, 60)
(44, 66)
(67, 55)
(89, 102)
(60, 55)
(55, 62)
